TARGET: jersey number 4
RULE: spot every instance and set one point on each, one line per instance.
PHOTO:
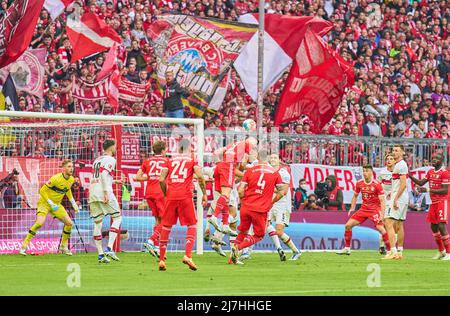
(179, 170)
(261, 182)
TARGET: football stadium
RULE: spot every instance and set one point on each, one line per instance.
(244, 148)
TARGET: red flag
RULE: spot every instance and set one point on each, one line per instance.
(282, 37)
(113, 94)
(89, 35)
(16, 29)
(109, 64)
(315, 85)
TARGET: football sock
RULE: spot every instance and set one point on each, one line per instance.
(393, 249)
(446, 241)
(190, 239)
(386, 241)
(98, 237)
(273, 235)
(114, 231)
(232, 240)
(439, 241)
(156, 234)
(218, 235)
(222, 208)
(65, 235)
(400, 249)
(288, 242)
(382, 241)
(163, 241)
(248, 241)
(348, 238)
(31, 233)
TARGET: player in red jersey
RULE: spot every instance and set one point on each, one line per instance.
(176, 184)
(439, 179)
(150, 171)
(232, 156)
(256, 192)
(373, 205)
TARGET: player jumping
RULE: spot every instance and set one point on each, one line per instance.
(150, 171)
(102, 200)
(373, 205)
(280, 213)
(439, 179)
(256, 193)
(398, 205)
(385, 177)
(51, 195)
(179, 200)
(232, 156)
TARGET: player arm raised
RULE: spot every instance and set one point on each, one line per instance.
(202, 184)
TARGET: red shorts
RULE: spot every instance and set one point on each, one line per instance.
(223, 176)
(361, 215)
(438, 213)
(179, 209)
(257, 219)
(156, 204)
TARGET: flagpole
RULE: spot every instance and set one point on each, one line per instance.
(260, 69)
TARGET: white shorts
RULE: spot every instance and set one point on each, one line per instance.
(100, 209)
(398, 214)
(279, 216)
(234, 198)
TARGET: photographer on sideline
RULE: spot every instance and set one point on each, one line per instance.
(335, 195)
(330, 195)
(12, 199)
(310, 204)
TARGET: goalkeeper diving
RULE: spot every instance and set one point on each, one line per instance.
(51, 195)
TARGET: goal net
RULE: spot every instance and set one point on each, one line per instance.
(32, 147)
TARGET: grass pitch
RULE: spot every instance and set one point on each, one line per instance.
(263, 274)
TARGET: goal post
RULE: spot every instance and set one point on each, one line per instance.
(27, 135)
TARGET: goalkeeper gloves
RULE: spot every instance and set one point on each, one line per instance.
(75, 205)
(54, 206)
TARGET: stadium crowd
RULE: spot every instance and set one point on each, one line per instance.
(399, 49)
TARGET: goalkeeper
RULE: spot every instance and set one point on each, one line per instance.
(51, 195)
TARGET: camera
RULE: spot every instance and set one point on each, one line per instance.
(6, 180)
(321, 192)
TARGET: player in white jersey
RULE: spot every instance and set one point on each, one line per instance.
(281, 212)
(385, 178)
(398, 204)
(102, 200)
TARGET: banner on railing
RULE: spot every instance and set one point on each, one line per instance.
(346, 176)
